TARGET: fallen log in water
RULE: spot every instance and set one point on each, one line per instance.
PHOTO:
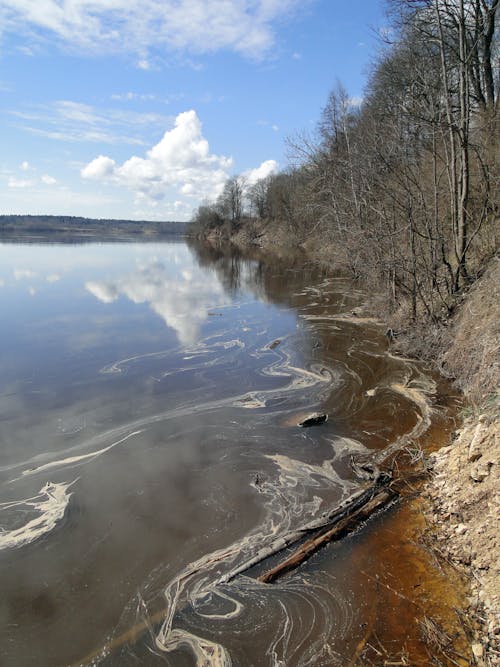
(348, 507)
(313, 420)
(343, 525)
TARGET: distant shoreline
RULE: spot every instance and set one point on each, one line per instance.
(53, 227)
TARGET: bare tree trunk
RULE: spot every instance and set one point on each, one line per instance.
(451, 158)
(489, 20)
(462, 221)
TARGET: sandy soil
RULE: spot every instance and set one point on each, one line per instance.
(463, 494)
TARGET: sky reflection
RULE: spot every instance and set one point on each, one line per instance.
(178, 291)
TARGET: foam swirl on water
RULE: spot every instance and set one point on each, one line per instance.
(48, 507)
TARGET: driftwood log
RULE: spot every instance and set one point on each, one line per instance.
(342, 526)
(325, 523)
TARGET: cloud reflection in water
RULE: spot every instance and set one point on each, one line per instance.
(181, 295)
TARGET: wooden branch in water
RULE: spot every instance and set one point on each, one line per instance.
(325, 520)
(343, 525)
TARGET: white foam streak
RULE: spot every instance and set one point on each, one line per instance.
(206, 653)
(71, 460)
(287, 504)
(50, 505)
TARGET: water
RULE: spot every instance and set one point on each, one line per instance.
(149, 402)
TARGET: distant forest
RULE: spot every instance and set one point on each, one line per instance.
(403, 189)
(21, 225)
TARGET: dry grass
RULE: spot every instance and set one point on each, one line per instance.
(472, 356)
(466, 346)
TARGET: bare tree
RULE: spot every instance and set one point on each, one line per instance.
(230, 201)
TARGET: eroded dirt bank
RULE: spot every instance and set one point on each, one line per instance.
(463, 490)
(464, 507)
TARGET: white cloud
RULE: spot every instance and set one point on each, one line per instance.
(263, 171)
(355, 101)
(101, 167)
(67, 120)
(17, 183)
(266, 123)
(53, 278)
(196, 26)
(144, 64)
(131, 96)
(64, 201)
(48, 180)
(181, 159)
(26, 50)
(24, 166)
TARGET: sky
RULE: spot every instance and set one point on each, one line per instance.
(141, 109)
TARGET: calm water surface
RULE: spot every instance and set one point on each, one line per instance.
(149, 400)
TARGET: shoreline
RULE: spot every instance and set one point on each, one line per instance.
(67, 228)
(460, 495)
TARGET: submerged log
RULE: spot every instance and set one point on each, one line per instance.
(313, 420)
(342, 526)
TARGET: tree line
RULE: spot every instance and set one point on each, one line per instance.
(404, 187)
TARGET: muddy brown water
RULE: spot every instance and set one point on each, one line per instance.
(149, 401)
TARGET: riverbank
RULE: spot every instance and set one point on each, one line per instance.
(464, 505)
(462, 491)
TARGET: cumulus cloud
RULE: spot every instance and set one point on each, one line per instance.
(48, 180)
(182, 300)
(263, 171)
(181, 159)
(197, 26)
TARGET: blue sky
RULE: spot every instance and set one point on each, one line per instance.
(142, 108)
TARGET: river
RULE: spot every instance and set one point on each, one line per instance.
(149, 401)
